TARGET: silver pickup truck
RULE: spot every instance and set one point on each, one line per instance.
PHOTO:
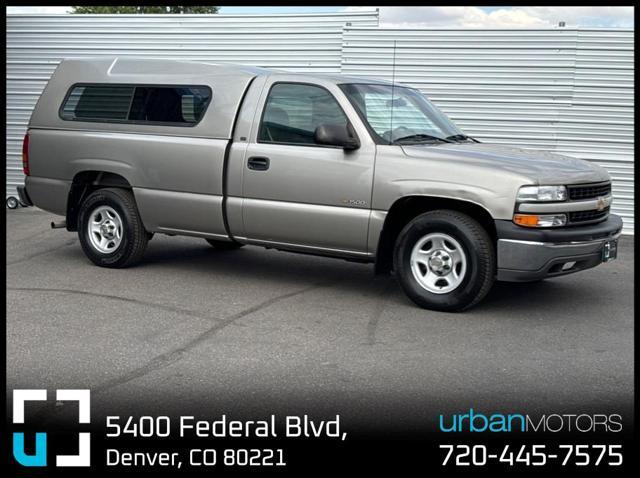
(359, 169)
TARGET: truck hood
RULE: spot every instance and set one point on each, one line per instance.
(539, 166)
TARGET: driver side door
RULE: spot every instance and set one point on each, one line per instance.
(297, 192)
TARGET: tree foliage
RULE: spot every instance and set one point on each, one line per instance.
(144, 9)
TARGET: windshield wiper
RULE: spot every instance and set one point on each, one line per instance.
(420, 137)
(461, 137)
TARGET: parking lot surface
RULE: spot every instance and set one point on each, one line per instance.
(254, 330)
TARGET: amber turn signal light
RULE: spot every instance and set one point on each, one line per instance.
(540, 220)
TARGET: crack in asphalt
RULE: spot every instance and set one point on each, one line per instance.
(374, 320)
(155, 305)
(41, 253)
(165, 359)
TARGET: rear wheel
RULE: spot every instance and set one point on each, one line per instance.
(224, 245)
(445, 260)
(110, 229)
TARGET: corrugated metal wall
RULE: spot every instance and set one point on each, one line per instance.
(565, 90)
(37, 43)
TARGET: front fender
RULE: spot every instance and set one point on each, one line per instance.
(497, 204)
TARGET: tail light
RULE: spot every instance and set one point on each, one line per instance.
(25, 154)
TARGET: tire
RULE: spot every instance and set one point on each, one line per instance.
(224, 245)
(445, 261)
(12, 202)
(118, 239)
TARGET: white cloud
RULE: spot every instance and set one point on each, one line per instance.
(585, 16)
(34, 10)
(503, 17)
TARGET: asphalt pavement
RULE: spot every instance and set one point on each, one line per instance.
(254, 330)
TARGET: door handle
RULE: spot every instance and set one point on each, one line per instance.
(258, 163)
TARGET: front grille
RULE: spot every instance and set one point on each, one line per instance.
(589, 191)
(588, 216)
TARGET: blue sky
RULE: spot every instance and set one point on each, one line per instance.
(461, 17)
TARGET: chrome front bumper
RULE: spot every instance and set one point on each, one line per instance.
(552, 253)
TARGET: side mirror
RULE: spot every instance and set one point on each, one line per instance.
(337, 135)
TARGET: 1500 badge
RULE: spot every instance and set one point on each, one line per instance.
(354, 202)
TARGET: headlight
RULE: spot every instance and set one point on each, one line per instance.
(542, 193)
(540, 220)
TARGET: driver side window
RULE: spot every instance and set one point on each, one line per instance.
(293, 111)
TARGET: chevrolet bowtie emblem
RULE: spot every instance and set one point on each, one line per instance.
(601, 203)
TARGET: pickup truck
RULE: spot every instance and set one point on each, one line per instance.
(347, 167)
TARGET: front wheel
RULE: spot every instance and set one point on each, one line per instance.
(445, 260)
(110, 228)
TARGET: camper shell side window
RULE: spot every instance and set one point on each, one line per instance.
(175, 105)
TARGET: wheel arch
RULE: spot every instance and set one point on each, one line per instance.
(404, 209)
(83, 184)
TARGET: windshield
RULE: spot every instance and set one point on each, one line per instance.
(400, 114)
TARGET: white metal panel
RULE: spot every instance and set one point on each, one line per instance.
(37, 43)
(565, 90)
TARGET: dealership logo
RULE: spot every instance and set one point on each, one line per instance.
(39, 457)
(475, 422)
